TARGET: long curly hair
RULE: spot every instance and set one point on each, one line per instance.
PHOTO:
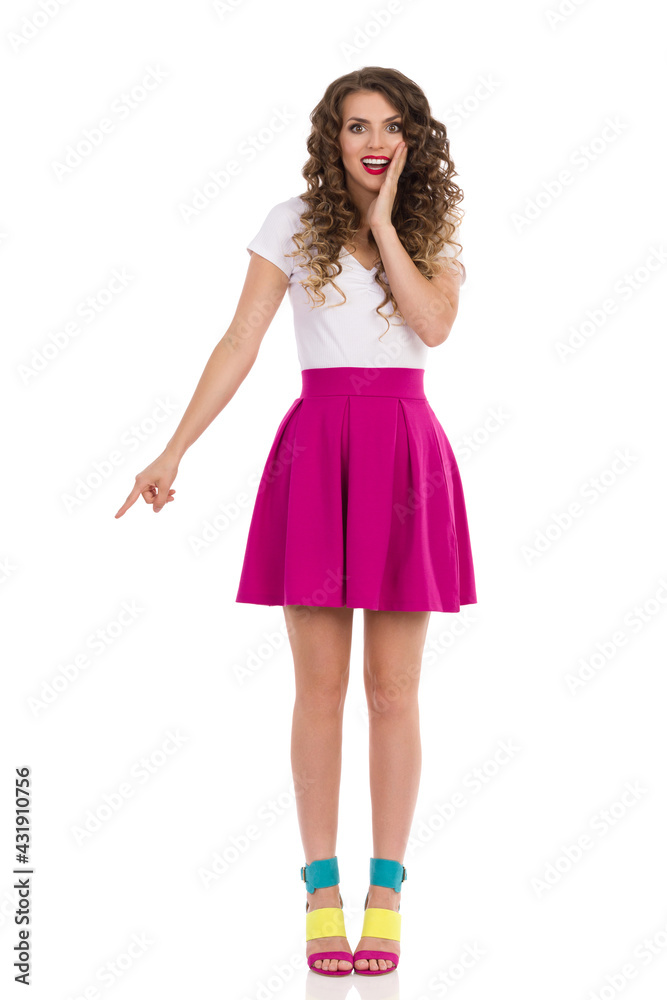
(425, 213)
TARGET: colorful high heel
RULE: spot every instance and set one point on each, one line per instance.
(327, 921)
(379, 921)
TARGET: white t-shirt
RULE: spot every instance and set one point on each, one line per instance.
(332, 335)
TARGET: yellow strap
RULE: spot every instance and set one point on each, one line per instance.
(327, 921)
(382, 923)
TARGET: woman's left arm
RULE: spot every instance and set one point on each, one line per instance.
(428, 305)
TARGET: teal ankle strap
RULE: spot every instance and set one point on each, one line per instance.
(321, 873)
(389, 873)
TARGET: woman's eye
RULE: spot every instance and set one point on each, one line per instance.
(391, 125)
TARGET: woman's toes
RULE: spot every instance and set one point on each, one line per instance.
(375, 964)
(332, 964)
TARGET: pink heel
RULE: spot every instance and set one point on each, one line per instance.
(326, 921)
(378, 920)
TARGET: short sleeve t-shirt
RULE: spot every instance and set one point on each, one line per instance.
(338, 333)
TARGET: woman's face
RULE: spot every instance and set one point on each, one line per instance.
(371, 128)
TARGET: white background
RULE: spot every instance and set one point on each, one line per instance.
(525, 96)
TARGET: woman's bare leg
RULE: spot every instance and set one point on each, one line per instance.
(393, 650)
(321, 641)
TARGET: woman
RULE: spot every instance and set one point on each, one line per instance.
(360, 504)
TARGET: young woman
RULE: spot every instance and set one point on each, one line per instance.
(360, 504)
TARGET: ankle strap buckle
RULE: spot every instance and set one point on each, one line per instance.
(387, 872)
(320, 873)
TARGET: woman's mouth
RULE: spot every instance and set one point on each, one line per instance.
(375, 164)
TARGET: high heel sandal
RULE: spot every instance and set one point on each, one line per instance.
(327, 921)
(378, 921)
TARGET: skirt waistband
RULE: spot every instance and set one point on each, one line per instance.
(348, 381)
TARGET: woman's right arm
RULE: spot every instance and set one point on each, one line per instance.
(232, 358)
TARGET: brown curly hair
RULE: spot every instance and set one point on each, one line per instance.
(425, 213)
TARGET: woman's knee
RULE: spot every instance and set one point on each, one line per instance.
(323, 688)
(320, 639)
(391, 690)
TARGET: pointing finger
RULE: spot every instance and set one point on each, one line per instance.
(133, 496)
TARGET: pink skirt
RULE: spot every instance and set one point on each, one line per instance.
(360, 503)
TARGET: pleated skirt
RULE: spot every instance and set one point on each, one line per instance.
(360, 503)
